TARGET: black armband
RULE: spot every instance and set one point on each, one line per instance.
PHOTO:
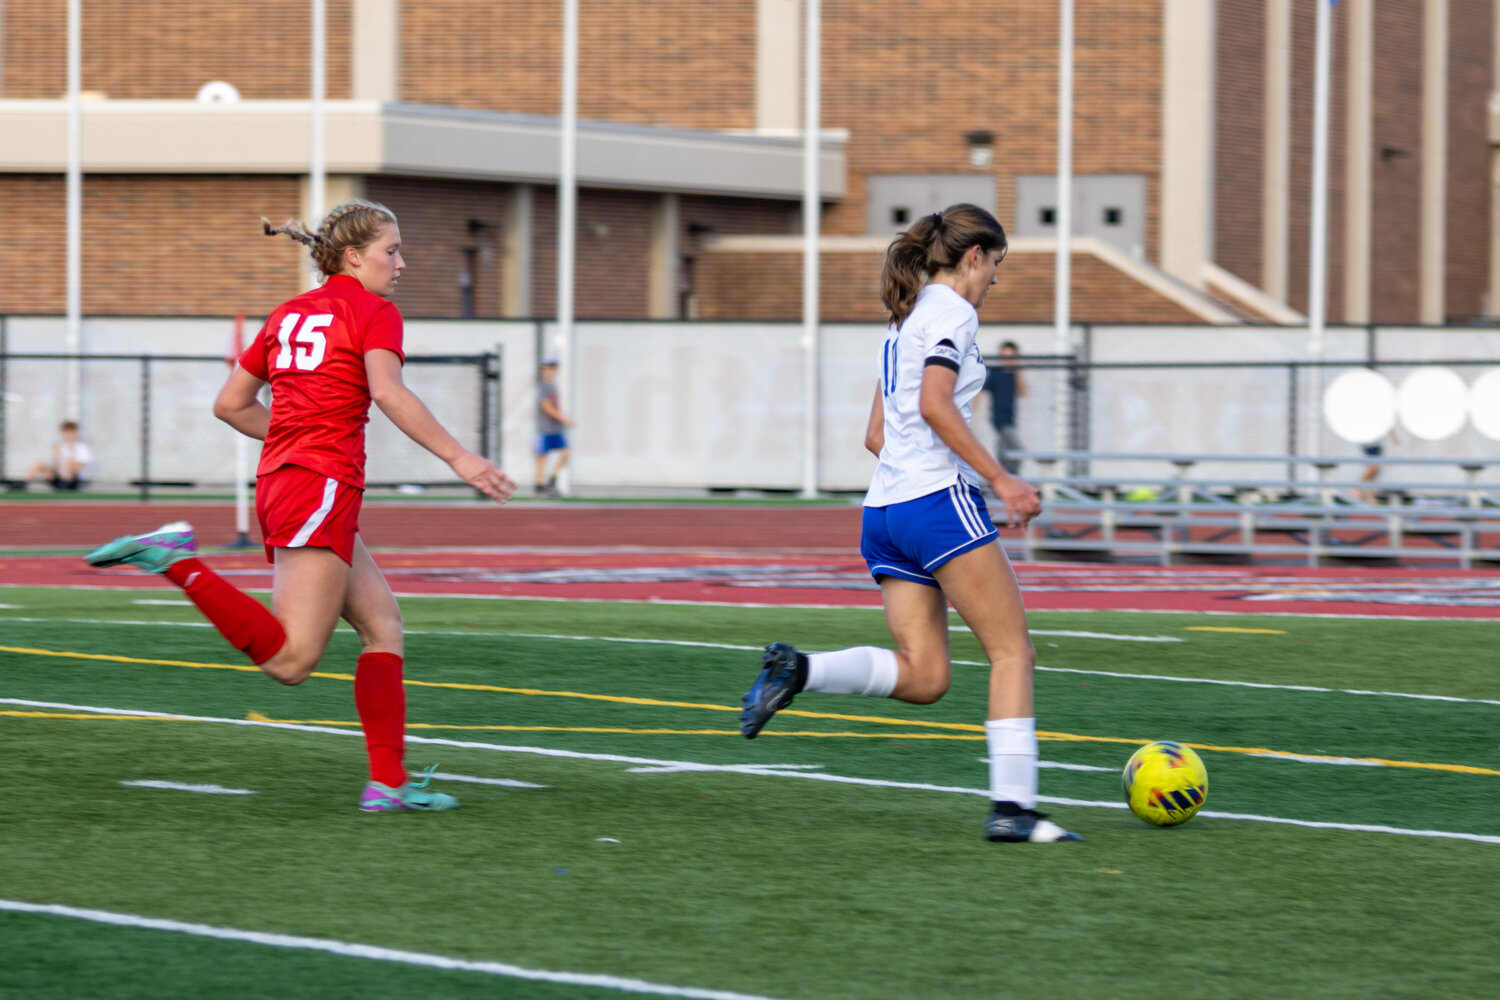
(943, 354)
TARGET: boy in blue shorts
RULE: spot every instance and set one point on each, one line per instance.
(550, 422)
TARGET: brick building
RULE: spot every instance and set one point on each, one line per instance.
(1191, 153)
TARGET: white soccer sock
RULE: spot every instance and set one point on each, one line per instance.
(867, 670)
(1012, 744)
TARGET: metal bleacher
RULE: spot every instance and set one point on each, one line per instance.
(1176, 514)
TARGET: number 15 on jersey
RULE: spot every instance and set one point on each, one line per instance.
(305, 348)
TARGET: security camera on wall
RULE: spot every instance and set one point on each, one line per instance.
(218, 92)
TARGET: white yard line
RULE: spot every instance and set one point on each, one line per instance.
(375, 953)
(762, 770)
(1088, 635)
(179, 787)
(472, 780)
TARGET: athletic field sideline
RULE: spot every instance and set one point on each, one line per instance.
(197, 829)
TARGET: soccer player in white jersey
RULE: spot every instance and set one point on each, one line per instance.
(927, 535)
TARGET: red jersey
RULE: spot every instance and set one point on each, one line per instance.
(312, 351)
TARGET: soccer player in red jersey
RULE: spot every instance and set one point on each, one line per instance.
(328, 353)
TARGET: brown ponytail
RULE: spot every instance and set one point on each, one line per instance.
(933, 243)
(355, 223)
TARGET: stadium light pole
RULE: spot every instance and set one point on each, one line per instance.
(567, 202)
(73, 196)
(1317, 279)
(811, 226)
(1063, 267)
(317, 169)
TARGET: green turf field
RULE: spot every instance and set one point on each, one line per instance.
(618, 834)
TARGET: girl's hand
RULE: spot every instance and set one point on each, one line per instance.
(484, 476)
(1022, 501)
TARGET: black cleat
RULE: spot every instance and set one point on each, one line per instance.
(1024, 826)
(783, 672)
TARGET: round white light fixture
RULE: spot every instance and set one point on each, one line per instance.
(1433, 403)
(1484, 404)
(1360, 406)
(218, 92)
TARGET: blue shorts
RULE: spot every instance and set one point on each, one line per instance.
(550, 442)
(909, 540)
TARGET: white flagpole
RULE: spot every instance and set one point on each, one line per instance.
(1062, 270)
(317, 171)
(73, 292)
(567, 203)
(241, 451)
(811, 226)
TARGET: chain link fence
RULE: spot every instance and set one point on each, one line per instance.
(148, 420)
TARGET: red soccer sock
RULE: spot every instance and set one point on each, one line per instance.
(380, 699)
(245, 622)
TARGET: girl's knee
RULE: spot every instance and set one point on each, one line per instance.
(290, 671)
(923, 684)
(925, 694)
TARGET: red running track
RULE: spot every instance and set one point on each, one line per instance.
(719, 554)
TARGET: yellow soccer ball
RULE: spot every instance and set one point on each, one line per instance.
(1165, 783)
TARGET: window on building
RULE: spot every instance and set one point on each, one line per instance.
(1111, 207)
(897, 199)
(466, 283)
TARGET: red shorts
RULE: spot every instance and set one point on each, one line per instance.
(298, 508)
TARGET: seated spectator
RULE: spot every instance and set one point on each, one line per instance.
(70, 459)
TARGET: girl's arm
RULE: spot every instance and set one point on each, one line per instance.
(1022, 500)
(875, 431)
(238, 405)
(415, 420)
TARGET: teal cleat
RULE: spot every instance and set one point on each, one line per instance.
(412, 795)
(152, 552)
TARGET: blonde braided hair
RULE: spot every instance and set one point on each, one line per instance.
(356, 223)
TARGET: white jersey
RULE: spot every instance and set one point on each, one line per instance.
(914, 461)
(75, 452)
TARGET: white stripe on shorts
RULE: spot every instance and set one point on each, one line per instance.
(967, 511)
(330, 489)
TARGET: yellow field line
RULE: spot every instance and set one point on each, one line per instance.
(125, 659)
(659, 703)
(345, 723)
(531, 692)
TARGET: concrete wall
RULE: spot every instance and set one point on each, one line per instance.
(698, 405)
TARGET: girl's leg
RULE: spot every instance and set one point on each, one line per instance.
(984, 592)
(917, 671)
(307, 595)
(249, 627)
(245, 622)
(917, 616)
(379, 692)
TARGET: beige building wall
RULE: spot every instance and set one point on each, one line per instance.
(1224, 173)
(1187, 138)
(1431, 305)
